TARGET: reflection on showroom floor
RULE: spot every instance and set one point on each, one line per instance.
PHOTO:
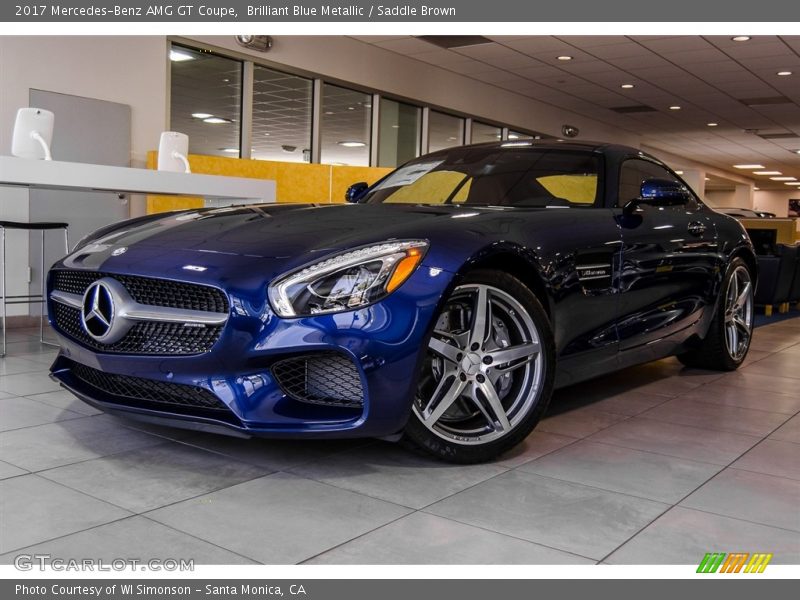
(657, 464)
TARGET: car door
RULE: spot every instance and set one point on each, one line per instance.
(668, 261)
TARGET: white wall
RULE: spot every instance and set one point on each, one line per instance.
(130, 70)
(775, 202)
(718, 198)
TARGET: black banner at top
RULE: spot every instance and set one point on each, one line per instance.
(250, 11)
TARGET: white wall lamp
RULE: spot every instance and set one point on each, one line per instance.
(173, 148)
(33, 134)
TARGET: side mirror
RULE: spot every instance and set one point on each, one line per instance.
(356, 191)
(660, 192)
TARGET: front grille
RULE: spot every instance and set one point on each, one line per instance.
(147, 393)
(145, 337)
(148, 290)
(325, 378)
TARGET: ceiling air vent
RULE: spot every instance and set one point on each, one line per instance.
(455, 41)
(778, 136)
(627, 110)
(766, 101)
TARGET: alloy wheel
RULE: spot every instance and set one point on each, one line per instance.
(484, 368)
(739, 313)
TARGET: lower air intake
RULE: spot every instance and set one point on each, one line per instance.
(148, 393)
(326, 378)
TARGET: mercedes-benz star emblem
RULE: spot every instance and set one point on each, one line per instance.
(99, 314)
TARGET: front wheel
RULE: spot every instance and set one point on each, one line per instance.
(728, 340)
(488, 374)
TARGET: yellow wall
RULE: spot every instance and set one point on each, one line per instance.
(294, 182)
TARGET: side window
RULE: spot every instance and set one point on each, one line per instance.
(633, 173)
(560, 178)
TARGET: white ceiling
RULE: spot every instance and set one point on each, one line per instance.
(708, 77)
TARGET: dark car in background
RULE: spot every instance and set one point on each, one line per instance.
(444, 304)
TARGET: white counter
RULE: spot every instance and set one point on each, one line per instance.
(59, 175)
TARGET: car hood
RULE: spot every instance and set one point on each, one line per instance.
(282, 231)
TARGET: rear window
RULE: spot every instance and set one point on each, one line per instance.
(494, 176)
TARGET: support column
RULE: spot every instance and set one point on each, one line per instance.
(697, 181)
(744, 195)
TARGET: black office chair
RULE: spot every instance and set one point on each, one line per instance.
(775, 278)
(42, 226)
(794, 292)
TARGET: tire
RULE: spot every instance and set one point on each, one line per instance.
(719, 351)
(484, 383)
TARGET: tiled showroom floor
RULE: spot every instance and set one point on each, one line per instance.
(656, 464)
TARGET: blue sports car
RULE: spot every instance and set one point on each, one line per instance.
(442, 304)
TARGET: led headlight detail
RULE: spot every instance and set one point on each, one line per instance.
(348, 280)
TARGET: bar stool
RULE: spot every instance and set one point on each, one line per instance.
(27, 298)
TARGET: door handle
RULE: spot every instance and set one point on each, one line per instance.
(697, 228)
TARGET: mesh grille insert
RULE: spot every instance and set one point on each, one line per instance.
(327, 378)
(147, 290)
(146, 337)
(126, 387)
(143, 338)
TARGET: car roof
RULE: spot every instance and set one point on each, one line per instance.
(550, 144)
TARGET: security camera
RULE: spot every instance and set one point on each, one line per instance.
(262, 43)
(570, 131)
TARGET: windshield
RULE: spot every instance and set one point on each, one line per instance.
(494, 176)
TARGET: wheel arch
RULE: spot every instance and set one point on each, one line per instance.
(517, 262)
(748, 256)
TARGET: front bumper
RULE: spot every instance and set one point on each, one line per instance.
(384, 343)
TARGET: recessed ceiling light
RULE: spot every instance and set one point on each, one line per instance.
(797, 151)
(627, 86)
(748, 166)
(741, 38)
(215, 120)
(756, 189)
(328, 112)
(202, 115)
(674, 107)
(708, 178)
(783, 73)
(179, 56)
(230, 150)
(783, 178)
(767, 173)
(712, 124)
(352, 144)
(564, 57)
(791, 183)
(351, 108)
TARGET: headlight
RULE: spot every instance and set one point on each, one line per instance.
(346, 281)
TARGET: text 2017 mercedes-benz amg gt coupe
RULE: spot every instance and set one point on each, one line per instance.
(444, 303)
